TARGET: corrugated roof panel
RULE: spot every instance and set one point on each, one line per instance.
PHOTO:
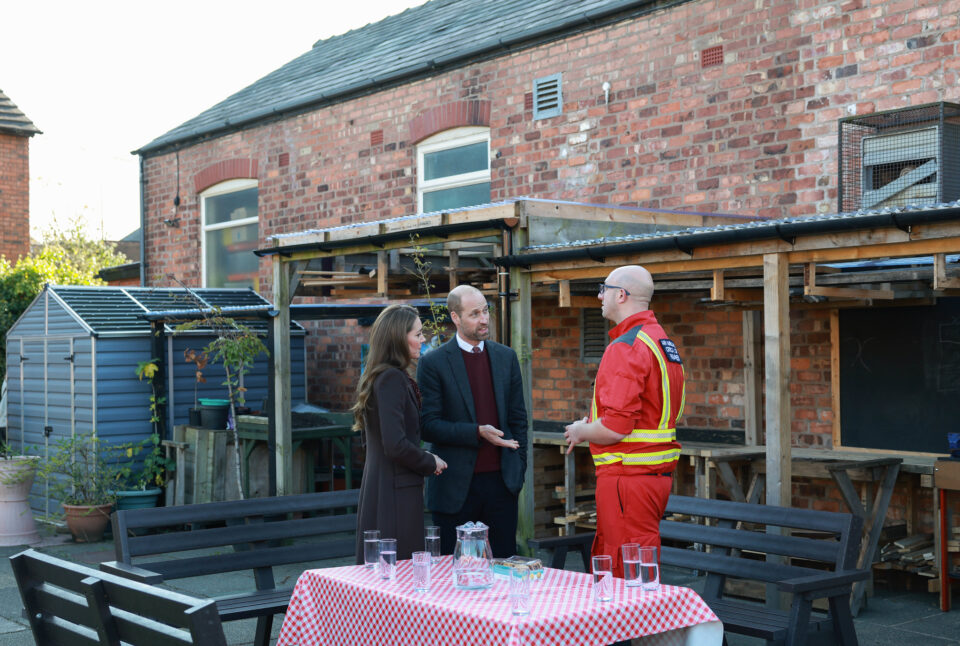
(118, 310)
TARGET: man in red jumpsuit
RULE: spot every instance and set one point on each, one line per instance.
(638, 398)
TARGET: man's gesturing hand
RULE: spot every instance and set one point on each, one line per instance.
(495, 437)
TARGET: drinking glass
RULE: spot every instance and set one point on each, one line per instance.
(649, 568)
(388, 559)
(520, 590)
(602, 578)
(431, 541)
(631, 564)
(421, 571)
(371, 547)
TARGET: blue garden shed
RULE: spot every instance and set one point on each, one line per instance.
(72, 360)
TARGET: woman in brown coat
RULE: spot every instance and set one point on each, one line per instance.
(387, 413)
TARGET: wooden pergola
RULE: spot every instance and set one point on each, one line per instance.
(526, 249)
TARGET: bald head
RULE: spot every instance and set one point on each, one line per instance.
(633, 294)
(469, 313)
(458, 294)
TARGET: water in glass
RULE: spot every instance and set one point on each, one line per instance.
(388, 565)
(631, 564)
(602, 586)
(520, 590)
(602, 577)
(432, 544)
(421, 571)
(649, 569)
(371, 547)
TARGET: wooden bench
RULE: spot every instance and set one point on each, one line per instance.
(262, 532)
(738, 552)
(73, 605)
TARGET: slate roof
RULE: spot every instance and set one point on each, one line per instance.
(13, 120)
(440, 34)
(119, 310)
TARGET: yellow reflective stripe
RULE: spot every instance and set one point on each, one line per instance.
(683, 394)
(631, 459)
(664, 379)
(593, 403)
(651, 435)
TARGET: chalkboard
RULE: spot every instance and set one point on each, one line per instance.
(900, 376)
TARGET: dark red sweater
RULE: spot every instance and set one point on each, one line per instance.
(485, 403)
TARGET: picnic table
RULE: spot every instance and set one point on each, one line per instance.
(352, 605)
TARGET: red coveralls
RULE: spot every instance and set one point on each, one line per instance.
(639, 393)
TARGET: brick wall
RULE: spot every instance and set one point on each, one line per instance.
(14, 196)
(755, 134)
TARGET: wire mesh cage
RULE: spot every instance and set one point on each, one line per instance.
(900, 157)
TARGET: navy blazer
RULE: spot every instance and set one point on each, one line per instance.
(449, 422)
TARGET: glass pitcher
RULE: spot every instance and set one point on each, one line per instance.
(471, 558)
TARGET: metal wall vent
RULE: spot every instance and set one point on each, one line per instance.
(593, 335)
(548, 96)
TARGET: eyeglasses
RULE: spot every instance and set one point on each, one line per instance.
(604, 287)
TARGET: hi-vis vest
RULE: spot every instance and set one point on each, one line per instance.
(651, 447)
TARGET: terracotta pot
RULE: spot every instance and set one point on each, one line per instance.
(87, 522)
(16, 518)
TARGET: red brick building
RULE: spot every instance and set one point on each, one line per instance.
(15, 132)
(713, 106)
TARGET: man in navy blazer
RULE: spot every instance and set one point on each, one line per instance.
(474, 416)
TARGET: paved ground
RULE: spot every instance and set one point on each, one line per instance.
(894, 618)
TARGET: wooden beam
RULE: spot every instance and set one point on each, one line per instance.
(521, 340)
(752, 377)
(281, 377)
(810, 288)
(383, 272)
(365, 247)
(564, 293)
(776, 332)
(572, 211)
(835, 375)
(940, 279)
(716, 292)
(454, 256)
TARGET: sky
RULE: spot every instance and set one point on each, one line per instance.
(102, 78)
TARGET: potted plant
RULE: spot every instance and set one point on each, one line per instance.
(16, 478)
(144, 484)
(235, 346)
(146, 479)
(198, 359)
(83, 473)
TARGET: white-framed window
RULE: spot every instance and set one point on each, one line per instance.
(231, 232)
(454, 169)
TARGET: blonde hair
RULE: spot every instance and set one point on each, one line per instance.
(388, 349)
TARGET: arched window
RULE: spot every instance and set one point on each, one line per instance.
(454, 169)
(231, 229)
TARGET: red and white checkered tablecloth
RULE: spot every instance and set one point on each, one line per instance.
(350, 606)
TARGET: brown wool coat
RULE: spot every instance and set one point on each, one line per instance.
(391, 493)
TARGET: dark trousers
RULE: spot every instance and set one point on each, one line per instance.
(489, 501)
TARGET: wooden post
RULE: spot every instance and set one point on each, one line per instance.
(752, 377)
(281, 377)
(835, 376)
(453, 265)
(383, 270)
(564, 293)
(776, 334)
(521, 340)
